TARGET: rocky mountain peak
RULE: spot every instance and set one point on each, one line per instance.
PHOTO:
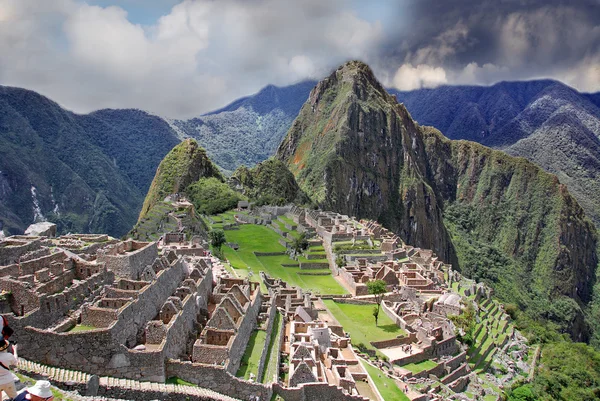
(354, 150)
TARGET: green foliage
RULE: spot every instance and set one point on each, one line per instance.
(211, 196)
(299, 243)
(566, 371)
(217, 239)
(377, 288)
(523, 393)
(466, 324)
(185, 164)
(269, 183)
(340, 261)
(376, 313)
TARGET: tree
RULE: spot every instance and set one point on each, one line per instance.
(299, 243)
(217, 239)
(377, 288)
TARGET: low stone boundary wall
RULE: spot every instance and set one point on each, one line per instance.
(216, 379)
(315, 391)
(355, 251)
(312, 256)
(283, 242)
(269, 253)
(354, 301)
(126, 389)
(314, 273)
(370, 258)
(314, 265)
(394, 342)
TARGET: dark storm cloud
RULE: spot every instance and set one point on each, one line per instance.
(490, 40)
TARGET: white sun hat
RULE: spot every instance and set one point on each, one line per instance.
(41, 388)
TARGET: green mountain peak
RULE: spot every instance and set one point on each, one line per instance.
(355, 150)
(185, 164)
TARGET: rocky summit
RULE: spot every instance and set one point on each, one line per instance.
(355, 150)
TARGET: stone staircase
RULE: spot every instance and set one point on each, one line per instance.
(76, 380)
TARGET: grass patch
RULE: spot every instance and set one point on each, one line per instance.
(81, 327)
(178, 381)
(387, 387)
(359, 322)
(255, 238)
(421, 366)
(251, 357)
(270, 371)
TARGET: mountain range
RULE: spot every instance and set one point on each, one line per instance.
(107, 158)
(355, 150)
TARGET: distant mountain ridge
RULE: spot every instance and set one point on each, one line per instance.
(544, 121)
(248, 130)
(84, 172)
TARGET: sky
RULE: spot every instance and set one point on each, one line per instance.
(180, 59)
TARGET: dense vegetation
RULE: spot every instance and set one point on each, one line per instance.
(566, 372)
(269, 183)
(212, 196)
(544, 121)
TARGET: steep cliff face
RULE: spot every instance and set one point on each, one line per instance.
(355, 150)
(351, 151)
(185, 164)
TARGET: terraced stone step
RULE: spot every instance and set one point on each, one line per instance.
(72, 377)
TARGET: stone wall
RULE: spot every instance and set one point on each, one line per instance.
(314, 391)
(265, 351)
(244, 332)
(100, 351)
(10, 254)
(314, 265)
(217, 379)
(130, 264)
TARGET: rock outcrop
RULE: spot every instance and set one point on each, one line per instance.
(185, 164)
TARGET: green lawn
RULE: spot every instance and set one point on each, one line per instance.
(251, 357)
(421, 366)
(271, 369)
(359, 322)
(254, 238)
(181, 382)
(387, 387)
(287, 220)
(81, 327)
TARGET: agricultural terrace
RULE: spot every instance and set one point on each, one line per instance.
(253, 238)
(358, 320)
(387, 387)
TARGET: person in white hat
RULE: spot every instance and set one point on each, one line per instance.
(7, 381)
(40, 391)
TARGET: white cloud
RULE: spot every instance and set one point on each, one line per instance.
(408, 77)
(200, 56)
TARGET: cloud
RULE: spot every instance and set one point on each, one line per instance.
(203, 54)
(489, 41)
(199, 56)
(422, 76)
